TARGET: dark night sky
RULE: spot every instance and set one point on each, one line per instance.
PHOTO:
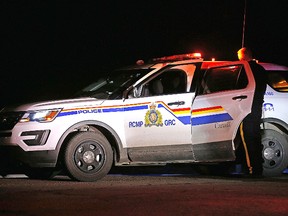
(52, 48)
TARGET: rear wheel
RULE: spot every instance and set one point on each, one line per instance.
(275, 152)
(88, 156)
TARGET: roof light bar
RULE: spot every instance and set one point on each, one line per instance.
(180, 57)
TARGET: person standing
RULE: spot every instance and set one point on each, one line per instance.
(250, 127)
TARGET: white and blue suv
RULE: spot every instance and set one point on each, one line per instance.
(175, 109)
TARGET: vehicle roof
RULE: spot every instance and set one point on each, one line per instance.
(274, 67)
(206, 64)
(266, 65)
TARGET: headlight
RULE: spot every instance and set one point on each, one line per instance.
(40, 115)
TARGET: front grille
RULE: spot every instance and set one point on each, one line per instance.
(9, 119)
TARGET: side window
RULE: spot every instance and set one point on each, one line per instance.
(169, 82)
(174, 82)
(223, 79)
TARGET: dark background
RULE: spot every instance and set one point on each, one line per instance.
(50, 49)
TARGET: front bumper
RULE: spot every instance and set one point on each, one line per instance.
(13, 159)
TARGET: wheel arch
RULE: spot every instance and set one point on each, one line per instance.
(275, 124)
(110, 134)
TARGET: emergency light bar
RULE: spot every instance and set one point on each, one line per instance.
(180, 57)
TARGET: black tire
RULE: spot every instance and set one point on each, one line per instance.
(275, 152)
(88, 156)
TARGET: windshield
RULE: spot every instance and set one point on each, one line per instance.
(278, 80)
(112, 85)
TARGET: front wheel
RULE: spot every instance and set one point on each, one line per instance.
(275, 152)
(88, 156)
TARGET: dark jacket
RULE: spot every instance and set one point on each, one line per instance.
(260, 77)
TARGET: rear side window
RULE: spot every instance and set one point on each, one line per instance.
(223, 78)
(278, 80)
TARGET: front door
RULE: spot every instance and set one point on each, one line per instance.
(158, 124)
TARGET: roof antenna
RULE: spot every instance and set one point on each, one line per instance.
(244, 23)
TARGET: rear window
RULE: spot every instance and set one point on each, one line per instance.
(223, 78)
(278, 80)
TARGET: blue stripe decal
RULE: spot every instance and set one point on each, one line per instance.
(135, 108)
(210, 119)
(185, 119)
(171, 112)
(122, 109)
(113, 110)
(105, 110)
(67, 113)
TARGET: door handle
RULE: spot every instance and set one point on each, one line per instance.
(240, 97)
(176, 103)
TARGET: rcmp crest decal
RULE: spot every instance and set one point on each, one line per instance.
(153, 117)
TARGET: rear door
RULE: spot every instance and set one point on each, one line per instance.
(223, 99)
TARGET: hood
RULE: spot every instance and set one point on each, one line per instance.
(66, 103)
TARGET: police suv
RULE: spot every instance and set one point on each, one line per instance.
(175, 109)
